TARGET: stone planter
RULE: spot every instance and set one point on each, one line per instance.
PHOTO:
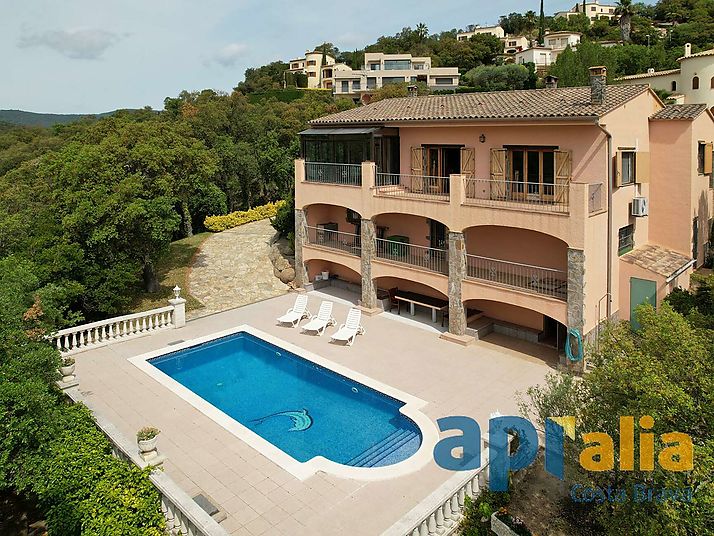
(148, 448)
(500, 528)
(67, 371)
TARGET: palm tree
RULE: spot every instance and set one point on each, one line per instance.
(625, 10)
(422, 31)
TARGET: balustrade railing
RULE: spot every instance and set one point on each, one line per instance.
(544, 281)
(347, 242)
(543, 197)
(412, 186)
(75, 339)
(329, 173)
(432, 259)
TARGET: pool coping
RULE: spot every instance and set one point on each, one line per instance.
(300, 470)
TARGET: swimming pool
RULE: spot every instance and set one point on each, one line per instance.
(319, 416)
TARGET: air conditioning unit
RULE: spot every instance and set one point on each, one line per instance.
(640, 206)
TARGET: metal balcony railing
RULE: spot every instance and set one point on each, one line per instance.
(328, 173)
(413, 186)
(537, 279)
(432, 259)
(338, 240)
(517, 194)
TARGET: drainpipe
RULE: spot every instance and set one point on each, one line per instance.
(609, 220)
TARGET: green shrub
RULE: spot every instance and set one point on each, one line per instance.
(235, 219)
(477, 512)
(284, 220)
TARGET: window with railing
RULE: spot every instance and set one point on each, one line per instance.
(397, 65)
(625, 239)
(398, 249)
(538, 279)
(329, 237)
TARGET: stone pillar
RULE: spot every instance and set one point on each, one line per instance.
(369, 290)
(457, 272)
(576, 291)
(179, 308)
(301, 277)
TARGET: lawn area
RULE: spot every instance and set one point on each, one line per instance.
(173, 270)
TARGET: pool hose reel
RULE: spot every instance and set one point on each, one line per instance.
(574, 335)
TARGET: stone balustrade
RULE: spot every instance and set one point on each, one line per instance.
(85, 336)
(183, 516)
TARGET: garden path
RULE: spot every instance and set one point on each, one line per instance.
(232, 269)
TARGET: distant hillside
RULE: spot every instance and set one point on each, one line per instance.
(20, 117)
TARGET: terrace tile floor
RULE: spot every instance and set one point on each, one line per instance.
(258, 496)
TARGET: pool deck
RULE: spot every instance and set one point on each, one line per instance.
(258, 496)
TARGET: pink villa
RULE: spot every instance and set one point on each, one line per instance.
(528, 213)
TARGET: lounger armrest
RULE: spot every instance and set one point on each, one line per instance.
(341, 326)
(289, 311)
(361, 330)
(332, 322)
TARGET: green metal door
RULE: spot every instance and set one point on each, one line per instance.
(641, 291)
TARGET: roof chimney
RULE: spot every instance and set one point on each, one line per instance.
(551, 82)
(413, 91)
(687, 50)
(598, 84)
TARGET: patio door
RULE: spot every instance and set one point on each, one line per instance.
(437, 235)
(532, 173)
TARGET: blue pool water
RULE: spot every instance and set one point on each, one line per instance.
(300, 407)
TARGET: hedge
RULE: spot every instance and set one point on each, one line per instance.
(235, 219)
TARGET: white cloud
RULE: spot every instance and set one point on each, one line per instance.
(229, 55)
(83, 44)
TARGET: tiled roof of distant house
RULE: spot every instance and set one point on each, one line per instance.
(570, 102)
(649, 75)
(680, 112)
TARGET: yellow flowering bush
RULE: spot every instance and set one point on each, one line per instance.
(234, 219)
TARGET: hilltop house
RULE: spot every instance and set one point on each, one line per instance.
(318, 67)
(524, 212)
(692, 83)
(380, 69)
(593, 10)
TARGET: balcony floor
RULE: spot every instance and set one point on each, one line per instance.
(258, 496)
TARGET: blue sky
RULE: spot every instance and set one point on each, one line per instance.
(90, 56)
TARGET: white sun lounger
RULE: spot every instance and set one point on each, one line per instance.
(323, 319)
(297, 312)
(350, 329)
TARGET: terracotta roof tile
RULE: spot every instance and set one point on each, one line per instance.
(649, 75)
(709, 52)
(680, 112)
(656, 259)
(571, 102)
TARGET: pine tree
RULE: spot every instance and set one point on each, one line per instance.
(541, 25)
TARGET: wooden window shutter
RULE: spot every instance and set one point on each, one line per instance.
(618, 169)
(563, 174)
(417, 183)
(468, 161)
(498, 173)
(642, 167)
(708, 148)
(417, 161)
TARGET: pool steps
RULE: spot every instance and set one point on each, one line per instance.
(389, 445)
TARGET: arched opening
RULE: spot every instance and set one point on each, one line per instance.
(695, 82)
(519, 258)
(339, 276)
(414, 240)
(413, 300)
(674, 85)
(511, 323)
(335, 227)
(711, 83)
